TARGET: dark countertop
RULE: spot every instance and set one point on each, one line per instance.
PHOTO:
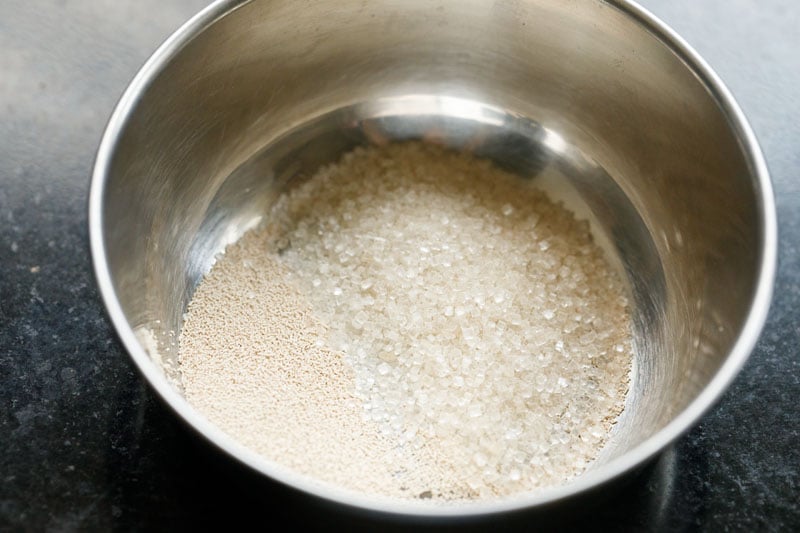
(84, 444)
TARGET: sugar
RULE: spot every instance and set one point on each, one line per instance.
(427, 314)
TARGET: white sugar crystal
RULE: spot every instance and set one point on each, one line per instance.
(480, 459)
(475, 410)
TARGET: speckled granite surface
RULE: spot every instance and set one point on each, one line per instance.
(85, 445)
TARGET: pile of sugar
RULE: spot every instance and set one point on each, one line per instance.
(409, 309)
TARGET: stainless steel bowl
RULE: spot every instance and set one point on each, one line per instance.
(598, 97)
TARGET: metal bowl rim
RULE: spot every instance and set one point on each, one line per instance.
(629, 461)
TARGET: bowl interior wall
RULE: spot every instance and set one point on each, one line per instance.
(576, 96)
